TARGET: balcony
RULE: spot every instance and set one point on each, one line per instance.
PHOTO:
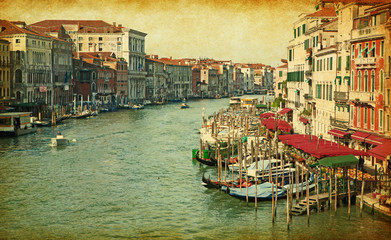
(339, 123)
(340, 96)
(363, 97)
(308, 96)
(367, 32)
(362, 63)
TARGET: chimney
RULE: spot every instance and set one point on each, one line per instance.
(114, 24)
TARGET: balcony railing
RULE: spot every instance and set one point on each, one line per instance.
(364, 97)
(362, 62)
(335, 122)
(340, 96)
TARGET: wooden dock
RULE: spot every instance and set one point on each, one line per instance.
(301, 207)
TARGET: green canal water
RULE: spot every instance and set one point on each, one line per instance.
(129, 174)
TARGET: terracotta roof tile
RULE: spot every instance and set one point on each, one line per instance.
(325, 12)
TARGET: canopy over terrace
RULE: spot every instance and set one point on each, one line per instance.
(381, 152)
(271, 123)
(267, 115)
(339, 161)
(318, 148)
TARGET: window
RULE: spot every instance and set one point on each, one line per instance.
(80, 46)
(381, 81)
(373, 80)
(100, 39)
(90, 38)
(306, 44)
(347, 63)
(352, 81)
(388, 123)
(359, 80)
(359, 49)
(366, 50)
(17, 40)
(317, 39)
(358, 116)
(303, 28)
(366, 81)
(339, 63)
(382, 48)
(100, 47)
(331, 63)
(317, 65)
(313, 42)
(331, 93)
(294, 33)
(365, 116)
(280, 73)
(298, 31)
(80, 38)
(372, 118)
(290, 54)
(353, 46)
(388, 96)
(351, 113)
(328, 63)
(320, 65)
(381, 119)
(373, 49)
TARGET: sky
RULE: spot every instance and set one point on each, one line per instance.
(245, 31)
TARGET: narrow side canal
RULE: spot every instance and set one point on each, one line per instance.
(129, 174)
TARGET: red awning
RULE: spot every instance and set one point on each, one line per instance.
(285, 111)
(372, 139)
(381, 152)
(271, 123)
(318, 148)
(338, 133)
(267, 115)
(360, 136)
(304, 120)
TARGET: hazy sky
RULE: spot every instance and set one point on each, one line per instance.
(242, 31)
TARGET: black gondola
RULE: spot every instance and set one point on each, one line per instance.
(207, 162)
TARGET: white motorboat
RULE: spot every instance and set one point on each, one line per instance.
(59, 140)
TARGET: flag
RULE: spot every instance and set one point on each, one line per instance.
(73, 79)
(360, 55)
(370, 50)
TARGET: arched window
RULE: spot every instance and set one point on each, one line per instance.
(359, 80)
(366, 81)
(18, 96)
(373, 80)
(352, 80)
(18, 76)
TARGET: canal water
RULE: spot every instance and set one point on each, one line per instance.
(129, 174)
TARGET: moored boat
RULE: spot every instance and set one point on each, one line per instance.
(206, 161)
(184, 105)
(16, 124)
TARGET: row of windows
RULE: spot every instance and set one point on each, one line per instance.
(368, 114)
(367, 50)
(368, 84)
(324, 64)
(324, 92)
(4, 48)
(4, 76)
(299, 30)
(4, 92)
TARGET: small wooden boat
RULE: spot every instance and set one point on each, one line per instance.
(184, 105)
(206, 161)
(59, 140)
(265, 192)
(138, 106)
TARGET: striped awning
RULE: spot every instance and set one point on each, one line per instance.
(338, 133)
(360, 136)
(375, 140)
(285, 111)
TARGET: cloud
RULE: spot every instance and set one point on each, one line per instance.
(242, 31)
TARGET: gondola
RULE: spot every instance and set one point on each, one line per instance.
(209, 183)
(224, 161)
(207, 162)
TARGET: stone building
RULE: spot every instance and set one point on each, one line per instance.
(5, 73)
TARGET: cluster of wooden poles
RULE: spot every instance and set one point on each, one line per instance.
(238, 129)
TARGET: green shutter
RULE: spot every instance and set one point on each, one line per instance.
(339, 63)
(347, 62)
(331, 63)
